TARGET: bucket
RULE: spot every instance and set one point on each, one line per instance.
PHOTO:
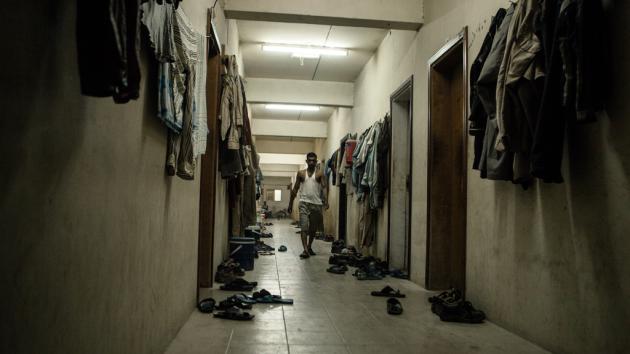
(242, 250)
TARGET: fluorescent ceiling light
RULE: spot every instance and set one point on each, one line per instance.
(305, 56)
(305, 52)
(291, 107)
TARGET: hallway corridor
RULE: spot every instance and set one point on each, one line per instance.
(334, 314)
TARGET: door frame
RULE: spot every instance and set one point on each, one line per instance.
(460, 40)
(208, 171)
(406, 85)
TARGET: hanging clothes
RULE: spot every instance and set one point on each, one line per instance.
(331, 167)
(575, 80)
(108, 47)
(231, 113)
(232, 161)
(478, 116)
(493, 164)
(382, 156)
(177, 49)
(180, 155)
(200, 110)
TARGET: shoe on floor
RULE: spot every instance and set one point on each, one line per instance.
(282, 248)
(388, 291)
(394, 307)
(310, 252)
(304, 255)
(206, 305)
(234, 313)
(335, 269)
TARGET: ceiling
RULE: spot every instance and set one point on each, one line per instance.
(361, 42)
(260, 112)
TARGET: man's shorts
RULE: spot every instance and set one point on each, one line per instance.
(311, 218)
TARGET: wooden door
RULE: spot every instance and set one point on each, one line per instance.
(208, 173)
(447, 167)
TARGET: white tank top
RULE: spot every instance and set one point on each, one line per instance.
(310, 190)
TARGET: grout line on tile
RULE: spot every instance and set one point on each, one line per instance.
(227, 348)
(369, 311)
(284, 320)
(335, 325)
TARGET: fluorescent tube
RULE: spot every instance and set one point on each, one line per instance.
(304, 51)
(291, 107)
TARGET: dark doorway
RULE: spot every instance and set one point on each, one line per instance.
(399, 196)
(343, 212)
(208, 173)
(447, 168)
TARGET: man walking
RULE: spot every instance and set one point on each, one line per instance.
(312, 186)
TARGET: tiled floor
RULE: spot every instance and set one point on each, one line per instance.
(334, 314)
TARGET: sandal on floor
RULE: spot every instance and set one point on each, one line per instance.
(362, 275)
(239, 284)
(388, 291)
(245, 299)
(265, 297)
(232, 301)
(206, 305)
(337, 269)
(450, 296)
(394, 307)
(234, 313)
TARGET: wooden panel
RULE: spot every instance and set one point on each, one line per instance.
(457, 256)
(440, 188)
(446, 224)
(208, 174)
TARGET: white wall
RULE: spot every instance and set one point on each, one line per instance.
(391, 65)
(271, 184)
(549, 263)
(98, 246)
(276, 146)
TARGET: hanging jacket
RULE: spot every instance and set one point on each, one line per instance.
(108, 47)
(493, 164)
(478, 116)
(231, 112)
(382, 156)
(581, 42)
(519, 64)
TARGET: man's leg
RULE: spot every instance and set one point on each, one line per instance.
(304, 226)
(304, 243)
(315, 219)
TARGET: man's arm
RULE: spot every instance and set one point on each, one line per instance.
(294, 191)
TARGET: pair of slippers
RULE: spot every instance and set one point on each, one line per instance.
(451, 306)
(239, 284)
(394, 307)
(337, 269)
